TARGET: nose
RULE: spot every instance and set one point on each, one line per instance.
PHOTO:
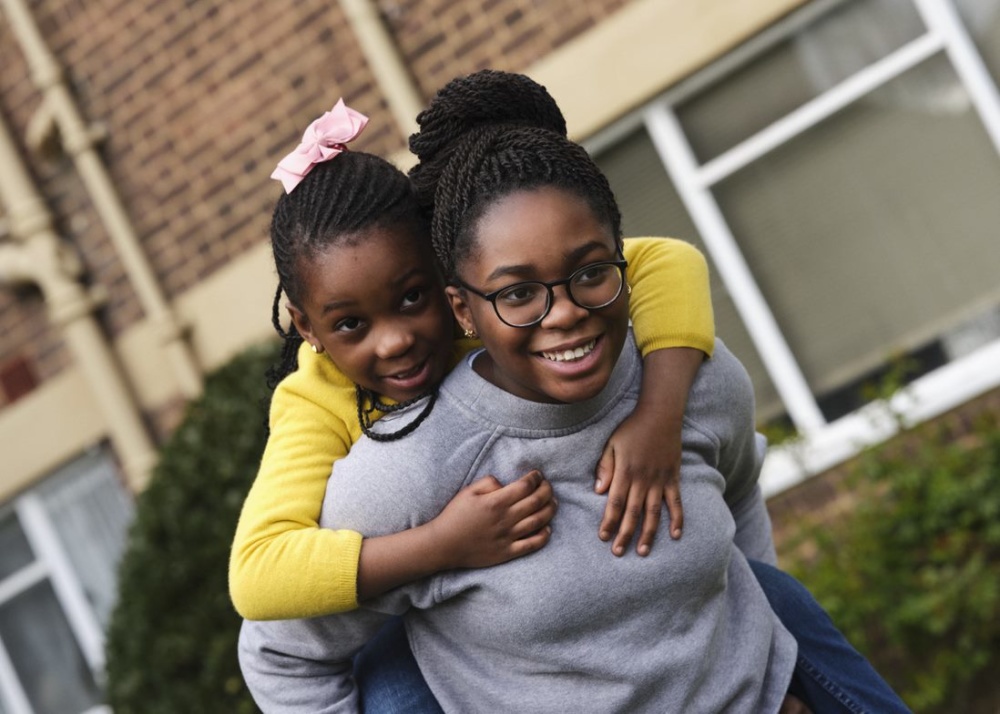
(563, 313)
(393, 341)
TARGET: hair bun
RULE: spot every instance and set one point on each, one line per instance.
(483, 99)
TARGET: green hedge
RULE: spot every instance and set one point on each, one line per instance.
(912, 573)
(172, 639)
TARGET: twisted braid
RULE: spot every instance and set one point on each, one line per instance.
(490, 163)
(369, 402)
(483, 99)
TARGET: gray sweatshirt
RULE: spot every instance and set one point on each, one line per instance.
(570, 628)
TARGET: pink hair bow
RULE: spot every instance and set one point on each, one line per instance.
(324, 138)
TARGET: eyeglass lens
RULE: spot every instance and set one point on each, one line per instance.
(592, 287)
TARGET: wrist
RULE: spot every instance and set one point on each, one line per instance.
(435, 553)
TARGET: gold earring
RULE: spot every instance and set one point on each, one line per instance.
(628, 289)
(315, 348)
(471, 334)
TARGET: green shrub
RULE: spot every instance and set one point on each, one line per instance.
(912, 575)
(172, 639)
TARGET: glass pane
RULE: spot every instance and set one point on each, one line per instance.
(651, 207)
(982, 21)
(90, 511)
(15, 551)
(45, 655)
(875, 232)
(791, 73)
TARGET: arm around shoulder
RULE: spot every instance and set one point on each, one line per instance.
(282, 564)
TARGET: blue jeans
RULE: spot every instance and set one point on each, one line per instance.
(389, 681)
(830, 676)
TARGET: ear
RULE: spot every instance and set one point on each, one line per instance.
(460, 307)
(302, 324)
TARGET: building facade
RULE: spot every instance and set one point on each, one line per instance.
(838, 161)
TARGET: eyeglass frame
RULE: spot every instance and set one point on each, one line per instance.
(492, 297)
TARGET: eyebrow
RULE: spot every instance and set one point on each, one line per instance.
(527, 271)
(401, 280)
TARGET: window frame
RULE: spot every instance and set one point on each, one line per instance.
(821, 444)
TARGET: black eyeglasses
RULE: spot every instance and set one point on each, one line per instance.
(525, 304)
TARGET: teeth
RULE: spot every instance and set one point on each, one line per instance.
(570, 355)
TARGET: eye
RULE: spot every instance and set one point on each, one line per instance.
(521, 294)
(593, 273)
(348, 324)
(413, 297)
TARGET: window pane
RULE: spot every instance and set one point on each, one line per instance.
(15, 551)
(90, 511)
(651, 207)
(876, 231)
(45, 655)
(791, 73)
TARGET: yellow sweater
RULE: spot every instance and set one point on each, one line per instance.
(282, 564)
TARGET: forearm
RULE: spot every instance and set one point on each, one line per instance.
(297, 572)
(387, 562)
(667, 376)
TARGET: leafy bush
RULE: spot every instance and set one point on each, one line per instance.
(912, 575)
(172, 639)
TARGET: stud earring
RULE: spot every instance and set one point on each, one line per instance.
(315, 349)
(628, 289)
(471, 334)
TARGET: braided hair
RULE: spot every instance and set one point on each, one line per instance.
(335, 204)
(485, 98)
(485, 136)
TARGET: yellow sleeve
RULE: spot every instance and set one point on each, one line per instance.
(282, 564)
(671, 301)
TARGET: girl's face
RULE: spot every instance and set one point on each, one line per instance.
(543, 234)
(378, 309)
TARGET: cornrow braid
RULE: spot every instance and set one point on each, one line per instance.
(335, 204)
(492, 162)
(483, 99)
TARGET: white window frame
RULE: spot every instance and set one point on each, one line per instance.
(51, 563)
(821, 444)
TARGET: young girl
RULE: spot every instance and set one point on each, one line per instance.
(369, 325)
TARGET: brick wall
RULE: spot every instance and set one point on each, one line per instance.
(201, 99)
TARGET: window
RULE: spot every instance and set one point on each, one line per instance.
(59, 546)
(840, 171)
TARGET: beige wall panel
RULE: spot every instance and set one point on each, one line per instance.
(231, 310)
(227, 312)
(47, 428)
(641, 50)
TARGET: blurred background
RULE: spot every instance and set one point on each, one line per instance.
(838, 161)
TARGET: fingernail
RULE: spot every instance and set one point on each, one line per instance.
(618, 550)
(604, 535)
(598, 485)
(644, 549)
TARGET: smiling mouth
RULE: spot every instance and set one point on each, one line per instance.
(412, 372)
(570, 355)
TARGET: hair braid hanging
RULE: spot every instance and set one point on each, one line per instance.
(375, 403)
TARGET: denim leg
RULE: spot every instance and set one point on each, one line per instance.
(830, 675)
(389, 680)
